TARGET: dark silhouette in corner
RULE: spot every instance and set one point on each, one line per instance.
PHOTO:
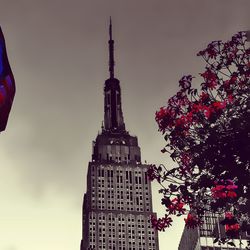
(7, 84)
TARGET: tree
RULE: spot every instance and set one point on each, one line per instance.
(207, 133)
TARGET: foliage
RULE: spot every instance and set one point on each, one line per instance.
(207, 134)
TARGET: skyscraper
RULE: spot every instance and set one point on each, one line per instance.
(118, 204)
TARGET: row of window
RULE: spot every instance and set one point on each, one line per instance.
(121, 208)
(128, 175)
(116, 157)
(110, 247)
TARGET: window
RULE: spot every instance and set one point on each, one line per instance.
(108, 98)
(139, 180)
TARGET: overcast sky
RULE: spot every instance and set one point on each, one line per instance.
(59, 55)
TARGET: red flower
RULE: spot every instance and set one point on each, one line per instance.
(204, 97)
(161, 113)
(229, 215)
(231, 194)
(234, 227)
(176, 206)
(192, 221)
(161, 223)
(219, 105)
(230, 99)
(231, 187)
(165, 118)
(180, 122)
(210, 78)
(196, 107)
(233, 79)
(219, 192)
(207, 111)
(222, 191)
(219, 187)
(212, 84)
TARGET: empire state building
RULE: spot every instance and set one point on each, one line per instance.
(118, 203)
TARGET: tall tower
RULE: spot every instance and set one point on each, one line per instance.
(118, 204)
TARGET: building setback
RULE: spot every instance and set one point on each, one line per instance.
(202, 238)
(118, 203)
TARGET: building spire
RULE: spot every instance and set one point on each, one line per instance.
(111, 51)
(113, 117)
(110, 28)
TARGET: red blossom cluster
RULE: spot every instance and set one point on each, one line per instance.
(210, 78)
(161, 223)
(176, 207)
(232, 227)
(229, 215)
(192, 221)
(207, 134)
(224, 191)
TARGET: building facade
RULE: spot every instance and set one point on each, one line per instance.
(118, 203)
(202, 238)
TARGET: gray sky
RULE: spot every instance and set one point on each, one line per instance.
(59, 55)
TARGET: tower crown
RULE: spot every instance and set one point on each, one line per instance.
(114, 144)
